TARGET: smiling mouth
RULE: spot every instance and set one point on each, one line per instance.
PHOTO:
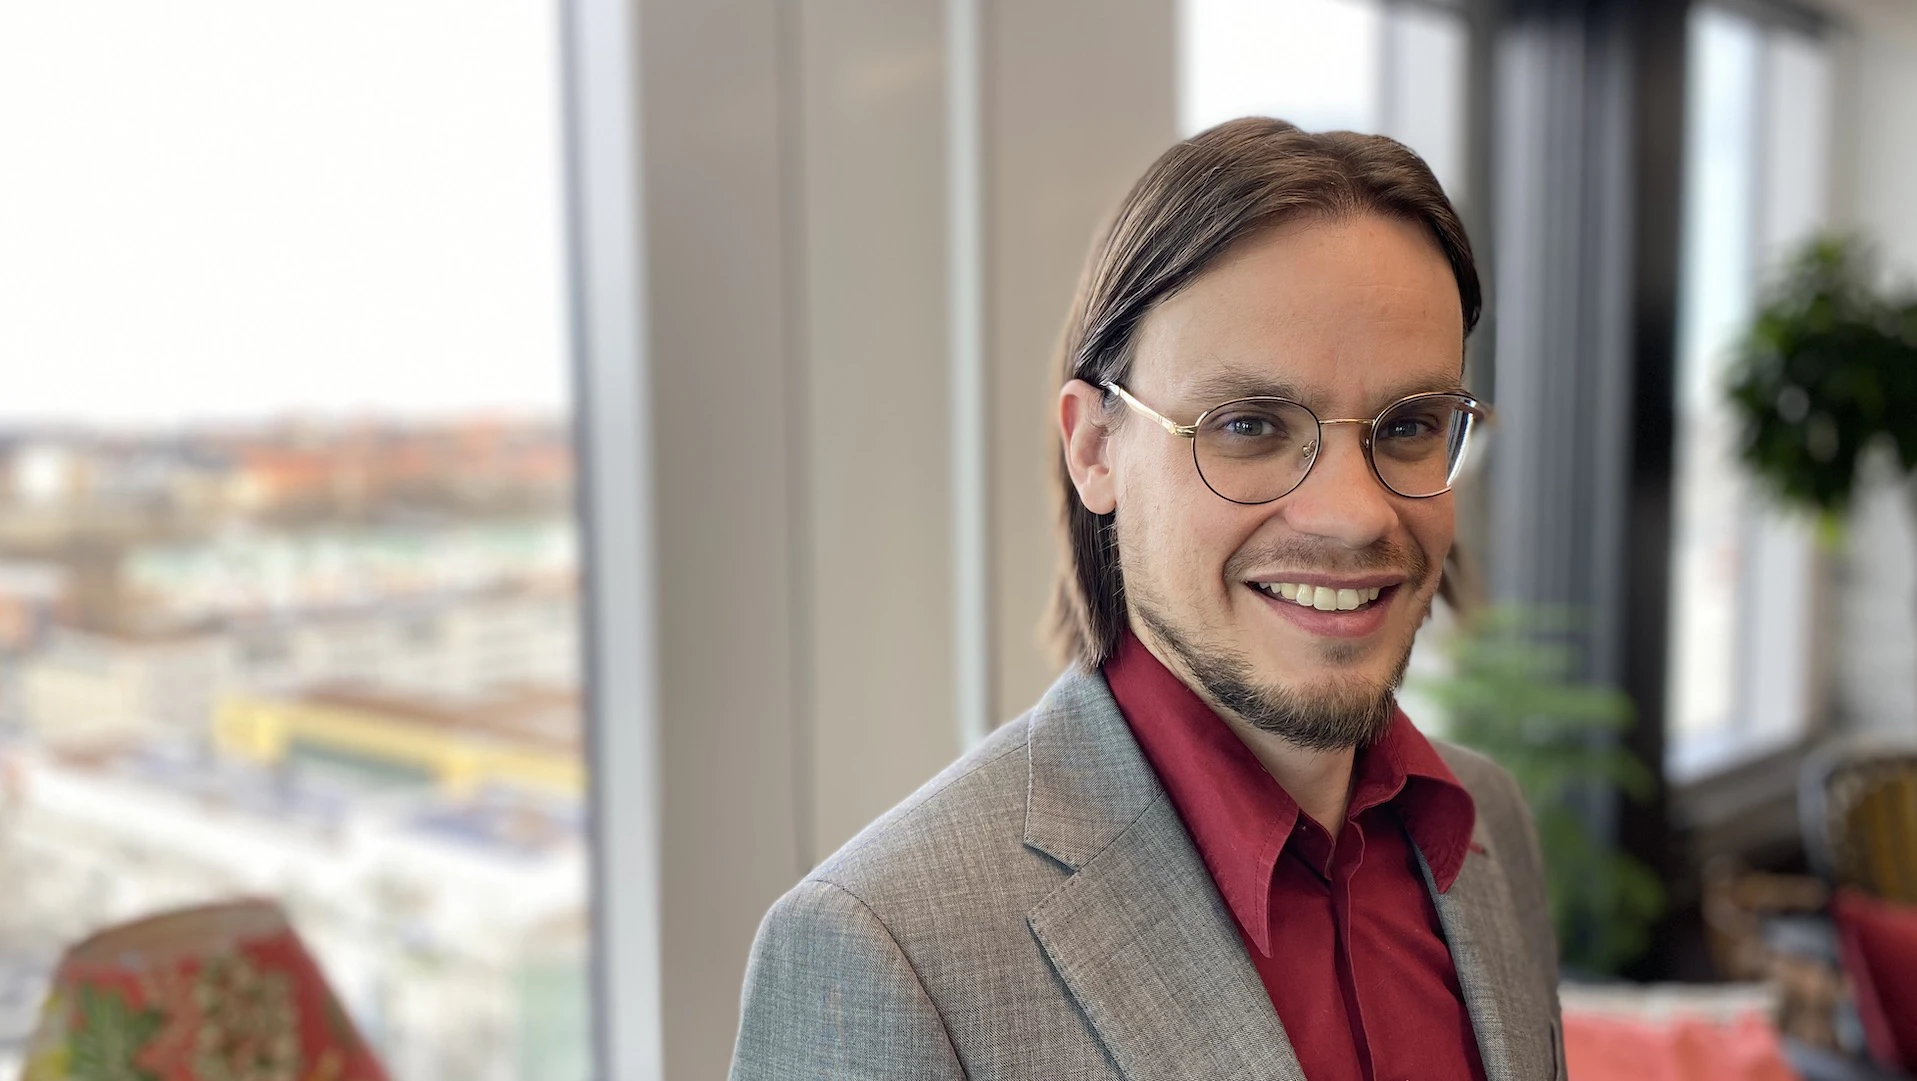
(1322, 598)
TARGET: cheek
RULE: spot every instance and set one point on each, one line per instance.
(1172, 529)
(1432, 524)
(1218, 531)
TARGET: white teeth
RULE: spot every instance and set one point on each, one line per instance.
(1322, 598)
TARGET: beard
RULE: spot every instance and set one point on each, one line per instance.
(1347, 713)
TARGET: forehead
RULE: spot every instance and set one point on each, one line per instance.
(1344, 314)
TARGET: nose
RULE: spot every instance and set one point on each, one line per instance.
(1341, 499)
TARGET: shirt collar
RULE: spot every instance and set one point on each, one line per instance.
(1240, 819)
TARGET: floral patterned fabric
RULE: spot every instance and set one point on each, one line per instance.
(251, 1009)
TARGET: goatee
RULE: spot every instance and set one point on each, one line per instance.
(1345, 712)
(1353, 714)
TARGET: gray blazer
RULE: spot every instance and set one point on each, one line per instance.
(1037, 910)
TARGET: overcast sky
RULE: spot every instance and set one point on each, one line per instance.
(231, 209)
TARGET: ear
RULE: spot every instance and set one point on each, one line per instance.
(1082, 424)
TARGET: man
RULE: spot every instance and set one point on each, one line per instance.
(1215, 849)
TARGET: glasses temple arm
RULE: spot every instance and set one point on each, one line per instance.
(1170, 425)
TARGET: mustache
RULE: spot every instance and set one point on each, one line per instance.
(1297, 554)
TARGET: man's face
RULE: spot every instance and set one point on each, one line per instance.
(1345, 316)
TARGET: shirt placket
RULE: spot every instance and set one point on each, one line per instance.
(1347, 857)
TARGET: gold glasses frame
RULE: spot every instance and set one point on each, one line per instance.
(1480, 413)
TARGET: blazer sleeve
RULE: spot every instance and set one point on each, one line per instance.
(828, 993)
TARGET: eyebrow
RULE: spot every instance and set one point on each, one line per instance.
(1228, 383)
(1225, 384)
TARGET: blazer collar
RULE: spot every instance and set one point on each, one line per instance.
(1148, 950)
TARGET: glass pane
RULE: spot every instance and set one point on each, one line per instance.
(1312, 62)
(1796, 141)
(1426, 56)
(1717, 258)
(1776, 596)
(1330, 64)
(1740, 576)
(288, 598)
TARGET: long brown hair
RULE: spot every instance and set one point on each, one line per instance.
(1200, 198)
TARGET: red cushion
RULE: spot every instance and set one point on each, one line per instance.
(1879, 944)
(1679, 1048)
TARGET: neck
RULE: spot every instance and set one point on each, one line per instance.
(1319, 781)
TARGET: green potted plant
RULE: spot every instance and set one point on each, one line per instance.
(1826, 373)
(1509, 693)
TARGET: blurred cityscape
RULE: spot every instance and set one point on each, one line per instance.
(335, 664)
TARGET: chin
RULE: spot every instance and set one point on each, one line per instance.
(1333, 668)
(1301, 655)
(1334, 682)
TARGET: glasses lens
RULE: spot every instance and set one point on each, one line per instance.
(1256, 450)
(1419, 445)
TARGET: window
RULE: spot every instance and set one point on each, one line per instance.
(1742, 612)
(288, 281)
(1360, 65)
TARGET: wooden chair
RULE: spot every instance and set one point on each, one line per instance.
(1858, 802)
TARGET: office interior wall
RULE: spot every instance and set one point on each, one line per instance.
(797, 178)
(1080, 98)
(722, 425)
(878, 505)
(1874, 122)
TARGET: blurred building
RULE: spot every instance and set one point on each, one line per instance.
(106, 688)
(455, 931)
(85, 685)
(452, 645)
(30, 593)
(337, 664)
(526, 739)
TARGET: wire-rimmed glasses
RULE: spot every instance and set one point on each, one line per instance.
(1256, 450)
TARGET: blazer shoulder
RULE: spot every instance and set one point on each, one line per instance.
(975, 805)
(829, 993)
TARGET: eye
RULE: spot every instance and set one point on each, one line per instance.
(1411, 425)
(1254, 430)
(1259, 422)
(1406, 428)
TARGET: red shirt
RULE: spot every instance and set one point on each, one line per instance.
(1344, 934)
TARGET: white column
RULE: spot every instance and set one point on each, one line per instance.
(879, 513)
(607, 270)
(1079, 100)
(725, 399)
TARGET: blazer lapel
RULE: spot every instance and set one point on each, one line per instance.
(1512, 1022)
(1139, 934)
